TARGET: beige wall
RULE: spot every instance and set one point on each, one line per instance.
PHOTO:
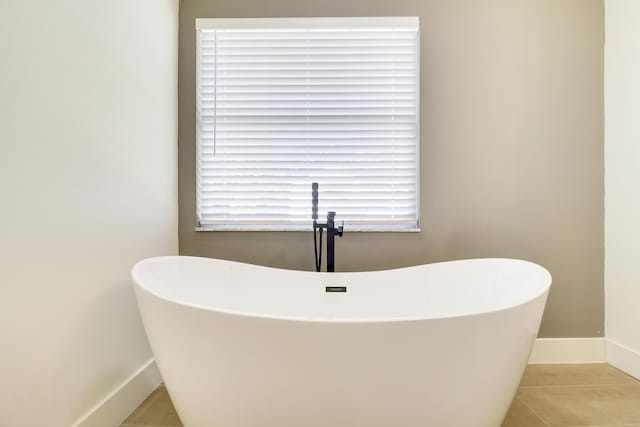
(512, 145)
(88, 186)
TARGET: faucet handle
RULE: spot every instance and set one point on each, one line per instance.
(314, 201)
(340, 230)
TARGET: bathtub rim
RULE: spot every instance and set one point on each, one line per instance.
(138, 283)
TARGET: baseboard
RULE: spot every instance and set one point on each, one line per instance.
(624, 358)
(113, 409)
(568, 350)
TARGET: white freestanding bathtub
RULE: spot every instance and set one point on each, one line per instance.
(440, 345)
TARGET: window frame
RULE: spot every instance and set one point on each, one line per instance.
(266, 23)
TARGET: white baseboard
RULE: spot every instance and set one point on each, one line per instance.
(568, 350)
(624, 358)
(117, 406)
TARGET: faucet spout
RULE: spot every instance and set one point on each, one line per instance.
(331, 252)
(332, 232)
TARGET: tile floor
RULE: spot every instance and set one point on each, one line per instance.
(549, 396)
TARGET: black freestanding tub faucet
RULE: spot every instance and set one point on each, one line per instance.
(332, 232)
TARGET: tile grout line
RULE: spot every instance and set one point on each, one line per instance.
(145, 425)
(533, 412)
(581, 385)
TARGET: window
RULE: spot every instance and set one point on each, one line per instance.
(285, 102)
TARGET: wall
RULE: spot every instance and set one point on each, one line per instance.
(88, 186)
(622, 166)
(512, 157)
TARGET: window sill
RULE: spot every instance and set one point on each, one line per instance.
(309, 229)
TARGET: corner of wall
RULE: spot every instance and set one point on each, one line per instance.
(121, 402)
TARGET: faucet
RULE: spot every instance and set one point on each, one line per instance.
(332, 232)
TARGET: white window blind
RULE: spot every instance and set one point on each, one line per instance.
(285, 102)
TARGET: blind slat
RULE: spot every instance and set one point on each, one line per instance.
(303, 181)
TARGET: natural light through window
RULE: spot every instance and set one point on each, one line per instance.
(285, 102)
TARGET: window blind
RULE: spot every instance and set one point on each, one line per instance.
(282, 103)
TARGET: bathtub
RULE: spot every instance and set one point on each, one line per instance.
(440, 345)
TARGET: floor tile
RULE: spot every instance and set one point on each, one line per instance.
(609, 425)
(521, 416)
(583, 374)
(157, 411)
(589, 405)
